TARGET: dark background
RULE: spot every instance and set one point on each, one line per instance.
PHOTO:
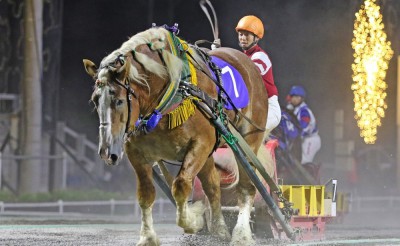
(308, 41)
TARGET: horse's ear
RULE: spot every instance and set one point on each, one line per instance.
(90, 67)
(124, 71)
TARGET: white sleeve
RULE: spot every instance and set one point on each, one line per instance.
(262, 61)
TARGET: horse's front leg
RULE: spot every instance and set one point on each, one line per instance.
(189, 217)
(146, 194)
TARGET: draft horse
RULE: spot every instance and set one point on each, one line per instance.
(135, 95)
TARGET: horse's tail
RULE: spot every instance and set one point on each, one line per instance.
(226, 162)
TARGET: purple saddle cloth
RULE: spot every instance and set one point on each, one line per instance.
(233, 84)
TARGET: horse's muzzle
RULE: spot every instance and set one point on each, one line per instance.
(109, 158)
(103, 152)
(113, 160)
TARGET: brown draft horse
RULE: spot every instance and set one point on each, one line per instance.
(141, 70)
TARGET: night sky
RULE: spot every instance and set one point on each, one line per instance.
(308, 41)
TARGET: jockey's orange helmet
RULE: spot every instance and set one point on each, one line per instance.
(251, 24)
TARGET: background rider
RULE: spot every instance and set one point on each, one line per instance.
(311, 141)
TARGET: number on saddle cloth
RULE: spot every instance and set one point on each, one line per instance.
(233, 84)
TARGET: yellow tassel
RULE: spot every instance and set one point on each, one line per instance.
(182, 113)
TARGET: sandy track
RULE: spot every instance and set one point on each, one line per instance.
(360, 229)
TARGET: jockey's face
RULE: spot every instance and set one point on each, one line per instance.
(296, 100)
(246, 39)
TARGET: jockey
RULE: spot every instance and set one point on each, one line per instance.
(311, 141)
(288, 134)
(287, 131)
(250, 30)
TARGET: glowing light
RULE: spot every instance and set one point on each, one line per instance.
(372, 53)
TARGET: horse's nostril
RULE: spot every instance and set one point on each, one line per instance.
(114, 157)
(103, 152)
(103, 124)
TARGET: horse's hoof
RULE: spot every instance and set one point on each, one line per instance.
(244, 242)
(242, 237)
(224, 236)
(147, 241)
(195, 221)
(195, 227)
(222, 233)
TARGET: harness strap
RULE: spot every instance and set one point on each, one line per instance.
(129, 93)
(170, 90)
(210, 102)
(197, 92)
(176, 106)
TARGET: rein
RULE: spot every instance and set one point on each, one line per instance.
(140, 125)
(129, 93)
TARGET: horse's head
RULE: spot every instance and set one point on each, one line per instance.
(115, 103)
(150, 64)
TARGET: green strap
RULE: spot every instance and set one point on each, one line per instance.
(170, 97)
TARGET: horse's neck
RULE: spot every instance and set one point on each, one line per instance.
(149, 98)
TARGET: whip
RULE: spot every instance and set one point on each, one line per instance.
(214, 24)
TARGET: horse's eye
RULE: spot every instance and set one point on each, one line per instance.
(119, 102)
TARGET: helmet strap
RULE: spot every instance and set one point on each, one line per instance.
(252, 43)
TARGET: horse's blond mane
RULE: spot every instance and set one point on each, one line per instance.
(156, 39)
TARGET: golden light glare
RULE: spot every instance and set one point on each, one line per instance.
(372, 53)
